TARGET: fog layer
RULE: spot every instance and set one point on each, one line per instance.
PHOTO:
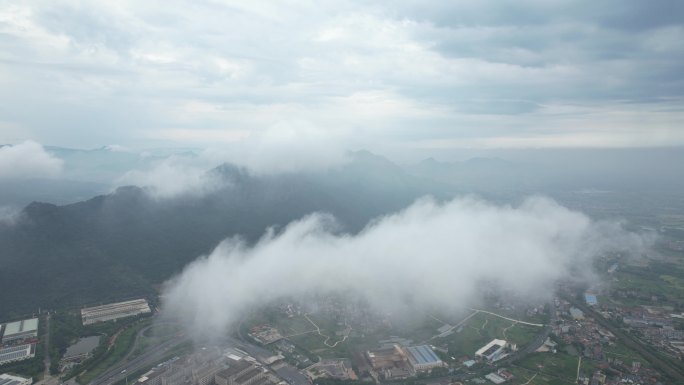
(28, 160)
(430, 255)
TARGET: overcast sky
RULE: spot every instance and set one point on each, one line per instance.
(384, 76)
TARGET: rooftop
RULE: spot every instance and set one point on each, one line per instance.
(423, 354)
(492, 343)
(248, 375)
(22, 326)
(234, 368)
(590, 299)
(137, 303)
(6, 379)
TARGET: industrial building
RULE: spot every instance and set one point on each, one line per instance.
(576, 313)
(339, 369)
(7, 379)
(208, 367)
(590, 299)
(17, 353)
(493, 351)
(500, 376)
(391, 362)
(422, 358)
(113, 311)
(20, 330)
(241, 372)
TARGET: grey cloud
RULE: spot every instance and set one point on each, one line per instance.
(90, 26)
(126, 72)
(175, 176)
(9, 215)
(28, 160)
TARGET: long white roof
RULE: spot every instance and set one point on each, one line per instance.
(23, 326)
(489, 345)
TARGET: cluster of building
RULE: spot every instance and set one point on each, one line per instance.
(397, 362)
(340, 369)
(289, 350)
(18, 340)
(655, 325)
(114, 311)
(500, 376)
(593, 342)
(210, 367)
(265, 334)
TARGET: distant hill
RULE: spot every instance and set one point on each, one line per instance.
(126, 243)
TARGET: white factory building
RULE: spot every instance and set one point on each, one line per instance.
(113, 311)
(422, 358)
(494, 350)
(20, 330)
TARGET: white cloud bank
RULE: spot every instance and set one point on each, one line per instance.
(286, 147)
(28, 160)
(292, 146)
(429, 255)
(175, 176)
(9, 215)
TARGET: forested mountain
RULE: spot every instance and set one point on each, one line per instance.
(128, 242)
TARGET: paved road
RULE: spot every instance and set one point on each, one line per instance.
(124, 368)
(47, 361)
(507, 318)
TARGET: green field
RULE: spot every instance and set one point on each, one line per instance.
(482, 328)
(559, 366)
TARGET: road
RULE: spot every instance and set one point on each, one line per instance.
(474, 312)
(48, 360)
(149, 358)
(48, 379)
(507, 318)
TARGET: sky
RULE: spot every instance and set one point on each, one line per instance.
(385, 76)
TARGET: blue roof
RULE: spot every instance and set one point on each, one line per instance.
(423, 354)
(590, 299)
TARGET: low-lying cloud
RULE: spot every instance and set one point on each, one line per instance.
(291, 147)
(9, 215)
(287, 147)
(28, 160)
(175, 176)
(430, 255)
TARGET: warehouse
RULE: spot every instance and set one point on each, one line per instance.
(241, 372)
(423, 358)
(17, 353)
(113, 311)
(20, 330)
(493, 351)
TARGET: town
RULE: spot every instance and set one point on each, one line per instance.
(574, 338)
